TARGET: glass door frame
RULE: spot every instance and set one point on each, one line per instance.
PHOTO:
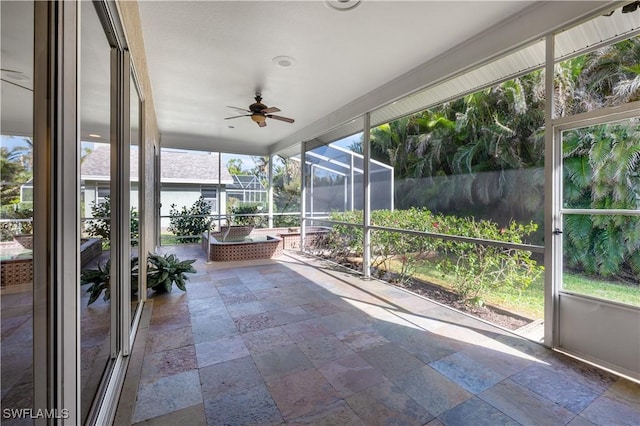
(57, 355)
(570, 335)
(142, 252)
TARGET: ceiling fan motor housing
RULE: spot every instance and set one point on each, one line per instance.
(258, 118)
(258, 106)
(260, 112)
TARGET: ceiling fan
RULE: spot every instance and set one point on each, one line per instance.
(259, 112)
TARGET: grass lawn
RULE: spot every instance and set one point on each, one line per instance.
(168, 239)
(619, 292)
(530, 301)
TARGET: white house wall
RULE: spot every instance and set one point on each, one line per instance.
(179, 196)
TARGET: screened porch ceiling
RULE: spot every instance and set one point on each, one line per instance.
(204, 56)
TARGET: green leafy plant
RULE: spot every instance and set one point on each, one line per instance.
(16, 211)
(162, 272)
(473, 269)
(601, 167)
(100, 224)
(100, 280)
(479, 268)
(241, 212)
(190, 223)
(165, 270)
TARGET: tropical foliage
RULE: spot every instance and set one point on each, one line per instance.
(482, 155)
(479, 155)
(286, 191)
(601, 169)
(164, 271)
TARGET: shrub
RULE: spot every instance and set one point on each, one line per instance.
(479, 268)
(190, 223)
(100, 224)
(473, 268)
(16, 211)
(241, 211)
(286, 221)
(345, 240)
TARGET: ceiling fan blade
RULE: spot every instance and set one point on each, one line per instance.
(239, 109)
(262, 123)
(279, 117)
(238, 116)
(270, 110)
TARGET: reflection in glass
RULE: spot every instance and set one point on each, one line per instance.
(16, 229)
(95, 116)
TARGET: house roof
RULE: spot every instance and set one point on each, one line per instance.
(176, 166)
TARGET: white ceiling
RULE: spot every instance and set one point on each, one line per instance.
(203, 56)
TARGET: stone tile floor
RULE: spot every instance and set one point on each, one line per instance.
(297, 341)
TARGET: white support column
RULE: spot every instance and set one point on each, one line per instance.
(366, 205)
(222, 195)
(393, 190)
(551, 252)
(345, 203)
(270, 191)
(157, 187)
(303, 195)
(311, 176)
(353, 184)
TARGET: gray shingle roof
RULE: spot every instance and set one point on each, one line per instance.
(176, 166)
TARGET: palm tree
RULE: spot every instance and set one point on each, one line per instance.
(611, 75)
(602, 171)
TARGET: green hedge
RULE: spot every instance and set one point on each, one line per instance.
(473, 269)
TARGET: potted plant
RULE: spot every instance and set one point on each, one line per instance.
(165, 270)
(162, 272)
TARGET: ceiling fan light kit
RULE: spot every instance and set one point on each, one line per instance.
(259, 112)
(342, 5)
(284, 61)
